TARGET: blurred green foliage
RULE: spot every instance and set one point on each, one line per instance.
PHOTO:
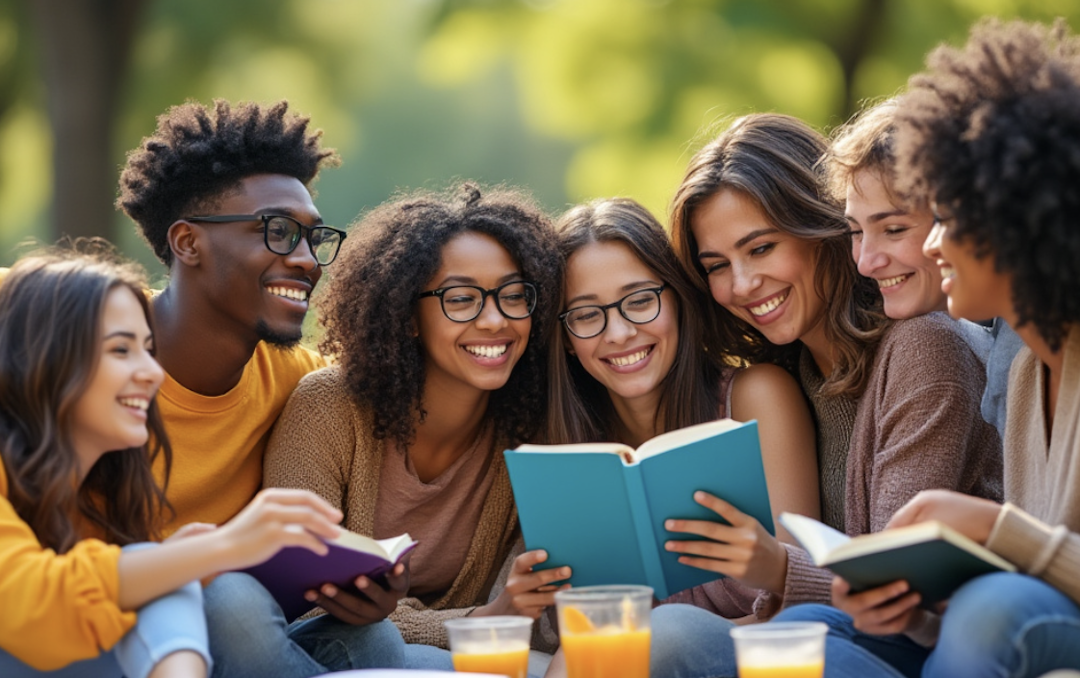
(574, 99)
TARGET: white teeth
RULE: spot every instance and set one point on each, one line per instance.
(487, 351)
(768, 305)
(947, 272)
(288, 293)
(889, 282)
(136, 402)
(627, 360)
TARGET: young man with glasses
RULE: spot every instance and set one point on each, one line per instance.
(222, 197)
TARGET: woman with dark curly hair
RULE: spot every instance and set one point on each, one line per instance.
(438, 314)
(990, 135)
(896, 402)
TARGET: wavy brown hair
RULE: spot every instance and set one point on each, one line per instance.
(773, 160)
(991, 134)
(370, 302)
(580, 407)
(51, 309)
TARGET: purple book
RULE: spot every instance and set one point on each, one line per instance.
(295, 570)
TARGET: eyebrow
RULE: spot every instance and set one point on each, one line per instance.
(880, 216)
(451, 280)
(288, 212)
(629, 287)
(740, 242)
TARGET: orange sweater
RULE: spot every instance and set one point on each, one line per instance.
(57, 609)
(218, 442)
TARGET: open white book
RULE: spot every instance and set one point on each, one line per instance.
(932, 557)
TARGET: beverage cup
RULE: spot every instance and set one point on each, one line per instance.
(498, 645)
(604, 631)
(788, 649)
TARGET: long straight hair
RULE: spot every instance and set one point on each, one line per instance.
(774, 160)
(51, 309)
(580, 407)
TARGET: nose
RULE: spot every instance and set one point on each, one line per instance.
(868, 254)
(932, 247)
(744, 280)
(618, 329)
(150, 371)
(303, 257)
(490, 317)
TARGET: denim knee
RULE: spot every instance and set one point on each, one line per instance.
(689, 642)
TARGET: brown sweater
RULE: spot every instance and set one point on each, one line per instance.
(917, 426)
(1039, 530)
(323, 443)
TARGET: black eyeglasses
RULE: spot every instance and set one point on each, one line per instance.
(282, 234)
(639, 307)
(462, 303)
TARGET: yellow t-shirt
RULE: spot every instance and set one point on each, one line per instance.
(57, 609)
(218, 441)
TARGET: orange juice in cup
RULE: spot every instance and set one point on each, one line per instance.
(604, 631)
(495, 645)
(780, 650)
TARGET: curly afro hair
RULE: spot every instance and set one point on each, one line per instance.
(196, 155)
(991, 134)
(368, 306)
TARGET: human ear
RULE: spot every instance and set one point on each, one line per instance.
(183, 240)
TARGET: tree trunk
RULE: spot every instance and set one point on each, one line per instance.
(85, 45)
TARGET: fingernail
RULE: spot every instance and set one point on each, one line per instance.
(361, 582)
(669, 524)
(699, 496)
(542, 555)
(329, 590)
(310, 596)
(565, 572)
(670, 546)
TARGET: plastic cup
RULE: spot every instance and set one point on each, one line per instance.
(498, 645)
(604, 631)
(787, 649)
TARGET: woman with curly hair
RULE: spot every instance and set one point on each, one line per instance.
(81, 595)
(896, 402)
(990, 136)
(438, 314)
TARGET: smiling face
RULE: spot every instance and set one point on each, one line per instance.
(111, 413)
(479, 354)
(756, 271)
(975, 290)
(630, 360)
(263, 293)
(886, 244)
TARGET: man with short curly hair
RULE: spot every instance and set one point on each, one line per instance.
(222, 195)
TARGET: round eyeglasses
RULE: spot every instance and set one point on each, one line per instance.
(282, 234)
(462, 303)
(639, 307)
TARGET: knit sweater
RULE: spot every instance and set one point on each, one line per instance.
(917, 426)
(323, 442)
(1039, 530)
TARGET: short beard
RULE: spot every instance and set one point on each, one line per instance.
(278, 339)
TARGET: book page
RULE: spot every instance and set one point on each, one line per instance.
(819, 540)
(683, 436)
(387, 549)
(624, 451)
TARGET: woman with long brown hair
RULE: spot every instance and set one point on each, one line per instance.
(80, 595)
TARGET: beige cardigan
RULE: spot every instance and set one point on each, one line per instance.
(323, 443)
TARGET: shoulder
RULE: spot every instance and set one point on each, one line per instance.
(279, 369)
(929, 342)
(761, 388)
(326, 384)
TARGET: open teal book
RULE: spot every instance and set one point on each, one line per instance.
(933, 558)
(600, 507)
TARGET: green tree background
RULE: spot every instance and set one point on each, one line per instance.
(574, 99)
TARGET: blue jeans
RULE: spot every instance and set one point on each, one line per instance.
(850, 653)
(250, 637)
(1000, 624)
(169, 624)
(689, 642)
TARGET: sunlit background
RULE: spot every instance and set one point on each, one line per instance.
(573, 99)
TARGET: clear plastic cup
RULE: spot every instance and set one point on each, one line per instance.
(604, 631)
(781, 649)
(498, 645)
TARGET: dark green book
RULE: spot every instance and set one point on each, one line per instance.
(933, 558)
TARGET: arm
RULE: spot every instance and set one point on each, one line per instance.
(744, 550)
(312, 447)
(82, 601)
